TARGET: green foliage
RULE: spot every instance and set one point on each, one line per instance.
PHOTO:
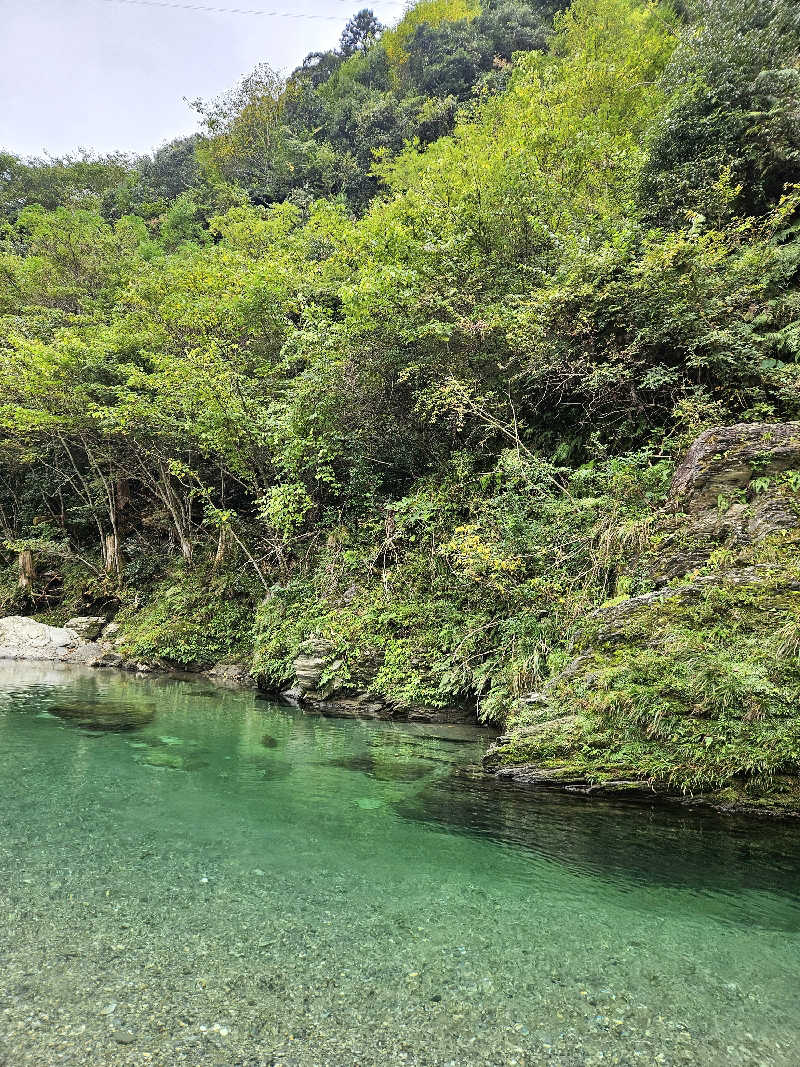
(735, 88)
(79, 181)
(319, 132)
(190, 620)
(408, 345)
(695, 694)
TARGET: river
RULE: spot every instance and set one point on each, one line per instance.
(226, 881)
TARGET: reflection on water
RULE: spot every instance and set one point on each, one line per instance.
(701, 852)
(363, 884)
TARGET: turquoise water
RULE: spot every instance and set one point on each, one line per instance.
(227, 881)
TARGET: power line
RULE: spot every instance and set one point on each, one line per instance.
(241, 10)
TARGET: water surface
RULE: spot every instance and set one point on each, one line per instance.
(226, 881)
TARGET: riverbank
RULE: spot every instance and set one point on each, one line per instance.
(91, 641)
(27, 641)
(682, 688)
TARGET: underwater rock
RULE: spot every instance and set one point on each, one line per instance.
(390, 769)
(160, 757)
(123, 1037)
(453, 735)
(268, 741)
(277, 769)
(106, 715)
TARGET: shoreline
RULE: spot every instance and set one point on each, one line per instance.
(562, 780)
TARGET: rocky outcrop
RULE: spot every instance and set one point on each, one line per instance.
(319, 687)
(23, 638)
(366, 706)
(737, 486)
(614, 621)
(732, 488)
(87, 627)
(724, 461)
(780, 799)
(235, 675)
(314, 656)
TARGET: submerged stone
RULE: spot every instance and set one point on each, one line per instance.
(123, 1037)
(268, 741)
(385, 769)
(277, 769)
(107, 715)
(160, 757)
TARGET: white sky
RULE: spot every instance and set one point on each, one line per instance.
(111, 74)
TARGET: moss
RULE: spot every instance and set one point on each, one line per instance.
(694, 693)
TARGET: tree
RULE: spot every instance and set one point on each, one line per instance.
(360, 33)
(735, 113)
(80, 180)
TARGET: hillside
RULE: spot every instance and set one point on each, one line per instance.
(400, 357)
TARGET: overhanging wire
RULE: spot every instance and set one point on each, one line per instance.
(241, 10)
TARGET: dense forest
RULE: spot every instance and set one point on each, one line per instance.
(402, 351)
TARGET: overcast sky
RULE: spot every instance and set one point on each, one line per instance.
(113, 74)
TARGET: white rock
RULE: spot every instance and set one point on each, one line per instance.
(22, 638)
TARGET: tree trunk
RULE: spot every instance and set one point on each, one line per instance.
(112, 556)
(175, 508)
(122, 493)
(222, 548)
(27, 570)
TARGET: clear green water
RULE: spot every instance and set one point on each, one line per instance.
(355, 894)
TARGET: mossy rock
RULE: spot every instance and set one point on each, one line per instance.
(691, 694)
(105, 715)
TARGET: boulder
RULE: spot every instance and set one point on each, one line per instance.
(24, 638)
(87, 627)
